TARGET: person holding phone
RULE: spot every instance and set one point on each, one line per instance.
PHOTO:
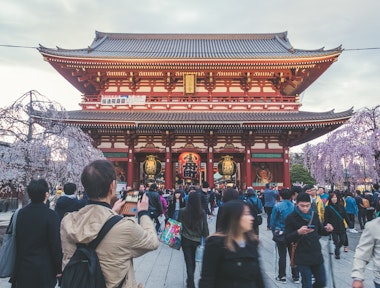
(303, 227)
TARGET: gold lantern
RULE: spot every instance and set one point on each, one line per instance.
(227, 167)
(152, 166)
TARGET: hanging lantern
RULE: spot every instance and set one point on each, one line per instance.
(189, 165)
(227, 167)
(152, 167)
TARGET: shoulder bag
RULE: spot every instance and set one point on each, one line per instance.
(8, 249)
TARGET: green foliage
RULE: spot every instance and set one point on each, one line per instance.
(299, 174)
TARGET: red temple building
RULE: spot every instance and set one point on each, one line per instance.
(196, 107)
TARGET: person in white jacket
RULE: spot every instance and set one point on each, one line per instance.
(367, 249)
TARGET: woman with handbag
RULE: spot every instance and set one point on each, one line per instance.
(231, 256)
(194, 227)
(280, 211)
(335, 213)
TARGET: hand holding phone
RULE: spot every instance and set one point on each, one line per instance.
(311, 226)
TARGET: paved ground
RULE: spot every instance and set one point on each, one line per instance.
(165, 267)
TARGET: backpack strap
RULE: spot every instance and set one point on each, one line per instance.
(103, 232)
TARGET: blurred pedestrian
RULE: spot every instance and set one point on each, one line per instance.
(194, 223)
(231, 256)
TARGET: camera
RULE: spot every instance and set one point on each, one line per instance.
(311, 226)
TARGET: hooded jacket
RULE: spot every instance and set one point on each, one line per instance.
(125, 241)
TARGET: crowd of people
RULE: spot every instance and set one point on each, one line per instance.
(297, 217)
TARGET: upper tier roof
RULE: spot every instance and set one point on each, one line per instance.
(190, 46)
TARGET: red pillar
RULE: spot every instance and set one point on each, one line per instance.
(286, 167)
(210, 167)
(130, 172)
(168, 169)
(248, 168)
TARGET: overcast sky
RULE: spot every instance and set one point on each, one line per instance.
(353, 81)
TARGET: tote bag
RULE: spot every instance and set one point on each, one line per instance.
(171, 235)
(8, 249)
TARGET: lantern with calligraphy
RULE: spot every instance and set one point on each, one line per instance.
(227, 167)
(189, 165)
(152, 167)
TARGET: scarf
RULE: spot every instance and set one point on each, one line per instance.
(305, 216)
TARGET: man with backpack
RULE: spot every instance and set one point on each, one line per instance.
(256, 207)
(126, 239)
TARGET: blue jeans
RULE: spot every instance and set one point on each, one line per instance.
(319, 274)
(377, 285)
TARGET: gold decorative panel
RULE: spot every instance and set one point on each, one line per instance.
(189, 83)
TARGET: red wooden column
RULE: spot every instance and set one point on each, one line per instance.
(168, 169)
(210, 167)
(286, 167)
(248, 167)
(130, 172)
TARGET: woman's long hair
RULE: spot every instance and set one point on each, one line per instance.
(194, 212)
(230, 222)
(338, 198)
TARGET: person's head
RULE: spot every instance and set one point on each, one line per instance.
(333, 197)
(304, 202)
(267, 186)
(230, 194)
(37, 190)
(321, 190)
(311, 190)
(153, 187)
(69, 188)
(251, 192)
(97, 178)
(285, 194)
(295, 191)
(376, 187)
(177, 194)
(235, 219)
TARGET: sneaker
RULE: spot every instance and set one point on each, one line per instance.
(354, 230)
(296, 280)
(281, 279)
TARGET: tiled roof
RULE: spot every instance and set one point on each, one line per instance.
(206, 118)
(189, 46)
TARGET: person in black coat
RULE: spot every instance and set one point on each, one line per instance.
(39, 253)
(303, 227)
(231, 258)
(68, 202)
(335, 214)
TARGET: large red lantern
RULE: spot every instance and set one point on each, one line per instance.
(189, 165)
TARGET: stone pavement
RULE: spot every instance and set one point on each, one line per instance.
(165, 267)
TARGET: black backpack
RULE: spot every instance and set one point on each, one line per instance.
(255, 211)
(83, 269)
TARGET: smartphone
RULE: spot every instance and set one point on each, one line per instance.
(311, 226)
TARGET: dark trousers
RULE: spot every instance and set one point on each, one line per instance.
(268, 211)
(362, 217)
(340, 239)
(282, 248)
(370, 213)
(351, 217)
(188, 248)
(319, 274)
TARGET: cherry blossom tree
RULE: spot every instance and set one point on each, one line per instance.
(349, 153)
(40, 144)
